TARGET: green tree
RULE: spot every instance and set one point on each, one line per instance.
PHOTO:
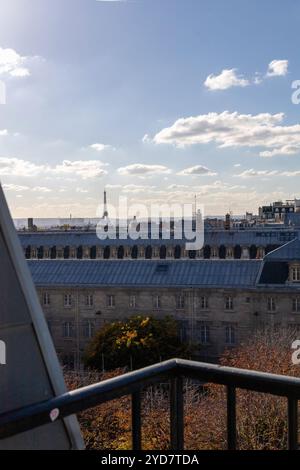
(138, 341)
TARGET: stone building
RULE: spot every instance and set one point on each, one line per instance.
(218, 244)
(217, 303)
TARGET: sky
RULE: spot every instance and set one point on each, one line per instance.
(155, 100)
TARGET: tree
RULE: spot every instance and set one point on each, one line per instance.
(137, 342)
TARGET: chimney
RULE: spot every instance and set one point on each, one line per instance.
(30, 223)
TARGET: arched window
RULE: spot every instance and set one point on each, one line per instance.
(253, 251)
(66, 252)
(206, 252)
(237, 252)
(53, 252)
(120, 253)
(222, 252)
(134, 252)
(40, 252)
(163, 252)
(106, 253)
(93, 252)
(28, 252)
(148, 252)
(79, 252)
(177, 252)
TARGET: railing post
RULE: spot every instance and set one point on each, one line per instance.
(292, 424)
(231, 418)
(176, 414)
(136, 420)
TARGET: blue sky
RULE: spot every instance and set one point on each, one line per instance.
(95, 89)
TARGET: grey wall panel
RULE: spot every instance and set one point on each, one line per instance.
(39, 438)
(31, 372)
(24, 380)
(13, 308)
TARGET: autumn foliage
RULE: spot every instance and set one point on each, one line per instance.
(135, 343)
(261, 418)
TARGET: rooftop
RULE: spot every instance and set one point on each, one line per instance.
(148, 273)
(259, 237)
(288, 252)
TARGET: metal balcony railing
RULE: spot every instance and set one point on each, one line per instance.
(174, 370)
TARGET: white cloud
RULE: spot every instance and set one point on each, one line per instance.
(135, 188)
(15, 187)
(20, 188)
(229, 78)
(113, 186)
(146, 139)
(20, 72)
(234, 130)
(3, 132)
(277, 68)
(18, 167)
(85, 169)
(178, 186)
(251, 173)
(81, 190)
(100, 147)
(226, 79)
(197, 170)
(41, 189)
(12, 63)
(140, 169)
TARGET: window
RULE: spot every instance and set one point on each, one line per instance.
(295, 273)
(180, 302)
(230, 334)
(88, 329)
(296, 304)
(271, 305)
(110, 301)
(204, 334)
(132, 301)
(89, 300)
(156, 301)
(204, 303)
(228, 303)
(68, 300)
(46, 298)
(68, 330)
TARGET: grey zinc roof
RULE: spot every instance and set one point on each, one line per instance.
(184, 273)
(259, 237)
(289, 251)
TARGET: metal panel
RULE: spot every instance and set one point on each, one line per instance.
(31, 373)
(230, 273)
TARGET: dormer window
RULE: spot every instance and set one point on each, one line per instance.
(295, 273)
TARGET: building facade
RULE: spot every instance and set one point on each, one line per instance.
(217, 303)
(218, 244)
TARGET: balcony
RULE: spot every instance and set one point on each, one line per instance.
(174, 371)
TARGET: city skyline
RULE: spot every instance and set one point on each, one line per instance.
(157, 101)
